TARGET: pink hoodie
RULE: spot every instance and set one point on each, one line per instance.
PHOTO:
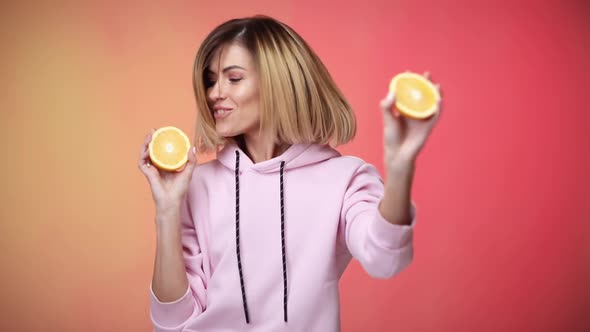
(253, 268)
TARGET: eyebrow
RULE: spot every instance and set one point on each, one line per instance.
(228, 68)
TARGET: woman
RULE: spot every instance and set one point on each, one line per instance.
(258, 238)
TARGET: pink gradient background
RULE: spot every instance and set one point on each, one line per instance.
(502, 187)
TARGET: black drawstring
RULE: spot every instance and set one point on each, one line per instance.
(238, 236)
(283, 244)
(237, 172)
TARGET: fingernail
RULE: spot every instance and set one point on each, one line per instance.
(391, 96)
(194, 150)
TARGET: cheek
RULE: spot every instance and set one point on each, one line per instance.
(246, 118)
(249, 105)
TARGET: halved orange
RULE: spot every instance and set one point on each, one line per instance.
(169, 148)
(415, 96)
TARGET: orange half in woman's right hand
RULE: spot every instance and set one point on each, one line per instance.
(415, 96)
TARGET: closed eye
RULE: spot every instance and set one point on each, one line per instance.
(209, 83)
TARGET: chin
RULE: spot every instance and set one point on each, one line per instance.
(226, 132)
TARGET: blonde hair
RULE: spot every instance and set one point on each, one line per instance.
(300, 103)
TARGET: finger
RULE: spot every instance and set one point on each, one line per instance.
(145, 156)
(387, 103)
(434, 118)
(145, 167)
(144, 161)
(148, 137)
(146, 142)
(395, 112)
(388, 118)
(151, 173)
(438, 109)
(439, 90)
(191, 155)
(192, 160)
(392, 130)
(427, 75)
(392, 120)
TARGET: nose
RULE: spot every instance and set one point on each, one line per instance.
(216, 92)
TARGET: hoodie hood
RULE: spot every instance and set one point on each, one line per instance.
(298, 155)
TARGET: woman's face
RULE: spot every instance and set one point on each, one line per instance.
(232, 91)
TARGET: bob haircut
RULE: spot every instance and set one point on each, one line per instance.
(300, 103)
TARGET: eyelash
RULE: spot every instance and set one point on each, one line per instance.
(209, 83)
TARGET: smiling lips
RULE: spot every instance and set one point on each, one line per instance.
(221, 112)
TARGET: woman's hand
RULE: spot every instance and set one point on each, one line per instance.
(168, 188)
(404, 137)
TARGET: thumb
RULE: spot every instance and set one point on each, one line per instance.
(192, 160)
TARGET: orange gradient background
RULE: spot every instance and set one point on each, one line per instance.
(502, 187)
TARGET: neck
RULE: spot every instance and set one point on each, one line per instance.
(261, 148)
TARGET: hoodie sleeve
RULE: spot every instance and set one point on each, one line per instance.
(173, 316)
(382, 248)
